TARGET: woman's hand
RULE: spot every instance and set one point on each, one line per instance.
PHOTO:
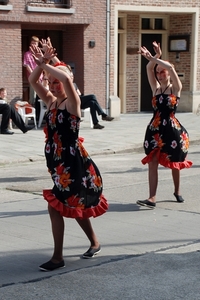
(145, 52)
(45, 44)
(40, 57)
(37, 54)
(157, 49)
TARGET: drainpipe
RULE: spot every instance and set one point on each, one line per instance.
(107, 55)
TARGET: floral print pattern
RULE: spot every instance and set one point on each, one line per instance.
(165, 136)
(77, 180)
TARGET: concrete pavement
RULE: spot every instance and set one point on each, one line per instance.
(146, 254)
(125, 134)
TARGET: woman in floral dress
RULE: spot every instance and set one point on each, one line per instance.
(166, 140)
(77, 190)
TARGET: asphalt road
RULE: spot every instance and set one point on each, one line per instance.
(146, 254)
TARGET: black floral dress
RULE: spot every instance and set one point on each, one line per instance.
(77, 190)
(165, 136)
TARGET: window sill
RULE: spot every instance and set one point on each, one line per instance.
(6, 7)
(31, 8)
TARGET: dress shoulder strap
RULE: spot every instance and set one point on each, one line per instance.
(60, 103)
(165, 89)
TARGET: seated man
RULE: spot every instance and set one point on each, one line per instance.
(8, 112)
(91, 102)
(3, 99)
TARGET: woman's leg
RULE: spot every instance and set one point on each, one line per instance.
(57, 223)
(176, 180)
(86, 225)
(153, 179)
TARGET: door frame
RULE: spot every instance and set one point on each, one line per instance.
(121, 74)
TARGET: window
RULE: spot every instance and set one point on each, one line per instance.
(153, 24)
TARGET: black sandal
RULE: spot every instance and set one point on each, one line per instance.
(91, 252)
(50, 266)
(178, 198)
(146, 203)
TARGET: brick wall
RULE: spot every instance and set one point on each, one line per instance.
(11, 59)
(88, 23)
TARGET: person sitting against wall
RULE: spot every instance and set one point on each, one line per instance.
(8, 112)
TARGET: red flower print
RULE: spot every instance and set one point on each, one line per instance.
(59, 150)
(65, 180)
(73, 123)
(158, 140)
(92, 170)
(60, 118)
(154, 102)
(72, 151)
(82, 150)
(184, 136)
(160, 99)
(156, 122)
(172, 100)
(56, 138)
(53, 117)
(185, 140)
(60, 169)
(164, 122)
(48, 148)
(174, 144)
(74, 201)
(97, 181)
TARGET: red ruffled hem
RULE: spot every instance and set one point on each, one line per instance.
(74, 213)
(162, 160)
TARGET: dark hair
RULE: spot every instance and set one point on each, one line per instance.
(2, 89)
(155, 73)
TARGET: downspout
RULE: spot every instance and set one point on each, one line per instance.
(107, 55)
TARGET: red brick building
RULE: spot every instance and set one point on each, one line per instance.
(72, 28)
(100, 40)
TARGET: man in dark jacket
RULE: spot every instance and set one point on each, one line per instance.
(8, 112)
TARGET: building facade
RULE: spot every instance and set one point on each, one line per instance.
(100, 40)
(176, 26)
(77, 30)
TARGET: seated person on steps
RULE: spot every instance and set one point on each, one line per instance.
(8, 112)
